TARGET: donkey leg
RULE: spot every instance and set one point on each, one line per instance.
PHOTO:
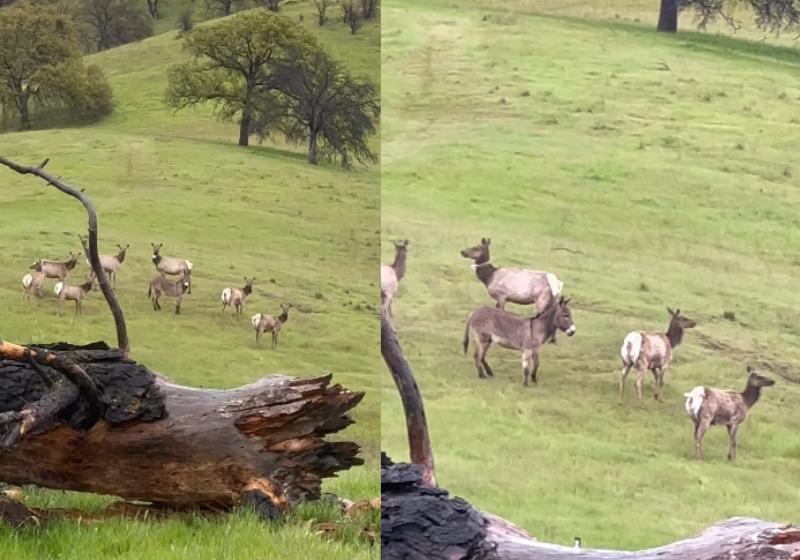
(480, 356)
(535, 368)
(626, 369)
(487, 369)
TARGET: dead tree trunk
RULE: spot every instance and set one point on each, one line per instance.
(161, 442)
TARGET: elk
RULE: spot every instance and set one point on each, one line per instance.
(509, 330)
(266, 323)
(170, 265)
(235, 297)
(110, 263)
(514, 285)
(652, 351)
(56, 269)
(391, 276)
(161, 286)
(69, 292)
(32, 284)
(716, 407)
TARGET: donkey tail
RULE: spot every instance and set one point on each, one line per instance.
(466, 334)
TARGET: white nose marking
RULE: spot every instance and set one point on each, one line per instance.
(571, 330)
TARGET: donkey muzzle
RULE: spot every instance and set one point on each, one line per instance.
(571, 331)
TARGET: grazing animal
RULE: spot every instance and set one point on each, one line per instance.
(514, 285)
(391, 276)
(170, 265)
(716, 407)
(235, 297)
(652, 351)
(56, 269)
(509, 330)
(32, 284)
(69, 292)
(576, 543)
(110, 263)
(161, 286)
(267, 323)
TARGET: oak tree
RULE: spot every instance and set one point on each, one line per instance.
(233, 64)
(769, 15)
(111, 23)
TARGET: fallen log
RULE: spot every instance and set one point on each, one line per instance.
(160, 442)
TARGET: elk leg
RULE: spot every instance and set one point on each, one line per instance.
(639, 380)
(527, 362)
(661, 374)
(732, 435)
(274, 340)
(501, 303)
(700, 428)
(626, 369)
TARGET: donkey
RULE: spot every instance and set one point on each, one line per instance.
(56, 269)
(110, 263)
(509, 330)
(170, 265)
(715, 407)
(391, 276)
(160, 285)
(514, 285)
(652, 351)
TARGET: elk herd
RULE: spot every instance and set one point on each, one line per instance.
(644, 351)
(160, 285)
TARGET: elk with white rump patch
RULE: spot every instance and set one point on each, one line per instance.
(110, 263)
(513, 285)
(652, 351)
(32, 284)
(170, 265)
(267, 323)
(161, 286)
(716, 407)
(509, 330)
(69, 292)
(236, 297)
(56, 269)
(391, 276)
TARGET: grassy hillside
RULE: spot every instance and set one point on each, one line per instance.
(669, 166)
(309, 235)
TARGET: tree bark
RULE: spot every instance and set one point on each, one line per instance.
(668, 17)
(244, 131)
(162, 442)
(312, 150)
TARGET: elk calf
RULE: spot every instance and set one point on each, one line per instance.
(509, 330)
(161, 286)
(32, 284)
(56, 269)
(652, 351)
(715, 407)
(267, 323)
(170, 265)
(236, 298)
(69, 292)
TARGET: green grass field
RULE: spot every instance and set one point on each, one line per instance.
(308, 234)
(678, 186)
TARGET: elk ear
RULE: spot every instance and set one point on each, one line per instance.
(567, 301)
(405, 243)
(670, 311)
(488, 241)
(152, 244)
(750, 370)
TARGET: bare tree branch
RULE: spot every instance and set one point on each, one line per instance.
(94, 255)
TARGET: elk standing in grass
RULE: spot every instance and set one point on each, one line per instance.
(69, 292)
(110, 263)
(161, 286)
(170, 265)
(267, 323)
(716, 407)
(391, 276)
(32, 284)
(56, 269)
(652, 351)
(513, 285)
(236, 297)
(509, 330)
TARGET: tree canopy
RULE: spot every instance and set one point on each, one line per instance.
(41, 65)
(233, 64)
(769, 15)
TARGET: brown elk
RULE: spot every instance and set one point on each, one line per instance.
(56, 269)
(69, 292)
(267, 323)
(716, 407)
(161, 286)
(32, 284)
(652, 351)
(170, 265)
(513, 285)
(237, 297)
(509, 330)
(110, 263)
(391, 276)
